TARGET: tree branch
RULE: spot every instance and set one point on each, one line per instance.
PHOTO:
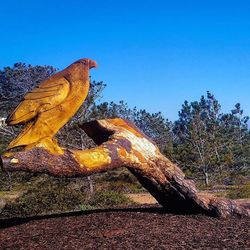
(122, 144)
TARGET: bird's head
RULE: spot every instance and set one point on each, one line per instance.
(87, 63)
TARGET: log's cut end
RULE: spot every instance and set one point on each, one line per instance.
(122, 144)
(101, 130)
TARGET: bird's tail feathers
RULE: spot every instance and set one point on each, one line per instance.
(17, 117)
(23, 138)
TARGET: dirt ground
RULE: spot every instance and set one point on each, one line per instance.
(142, 198)
(144, 227)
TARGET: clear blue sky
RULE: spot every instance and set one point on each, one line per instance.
(152, 54)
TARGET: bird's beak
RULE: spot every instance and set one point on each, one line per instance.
(92, 64)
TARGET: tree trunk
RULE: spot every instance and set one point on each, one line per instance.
(206, 177)
(91, 186)
(121, 144)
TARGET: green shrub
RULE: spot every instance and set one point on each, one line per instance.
(120, 187)
(15, 180)
(50, 195)
(240, 192)
(108, 199)
(84, 207)
(46, 197)
(121, 174)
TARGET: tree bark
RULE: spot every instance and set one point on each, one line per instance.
(121, 144)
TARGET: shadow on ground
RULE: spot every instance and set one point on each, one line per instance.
(15, 221)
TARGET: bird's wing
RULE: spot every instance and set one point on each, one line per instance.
(45, 96)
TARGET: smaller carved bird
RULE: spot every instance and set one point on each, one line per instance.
(50, 105)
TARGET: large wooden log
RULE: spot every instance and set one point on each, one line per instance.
(121, 144)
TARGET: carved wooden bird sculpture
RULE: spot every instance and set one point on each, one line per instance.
(50, 105)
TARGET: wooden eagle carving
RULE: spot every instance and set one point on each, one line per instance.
(49, 106)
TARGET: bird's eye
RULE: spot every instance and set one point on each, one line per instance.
(85, 62)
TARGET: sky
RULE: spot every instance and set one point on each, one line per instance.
(151, 54)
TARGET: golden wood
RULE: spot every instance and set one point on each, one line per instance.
(49, 106)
